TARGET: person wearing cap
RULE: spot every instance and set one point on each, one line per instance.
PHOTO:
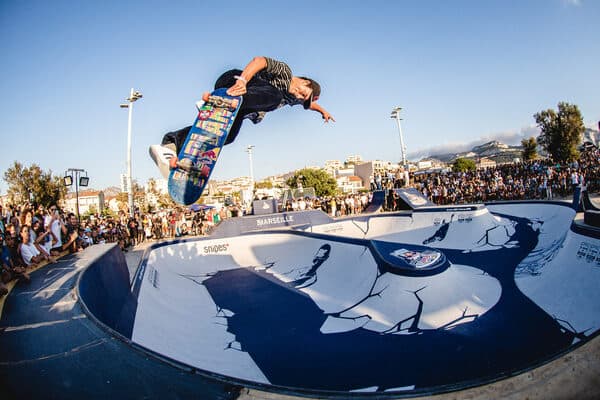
(265, 85)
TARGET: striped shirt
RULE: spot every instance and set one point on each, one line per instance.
(279, 75)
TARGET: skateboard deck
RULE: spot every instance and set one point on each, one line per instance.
(201, 149)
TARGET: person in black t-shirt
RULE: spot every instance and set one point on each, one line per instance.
(265, 85)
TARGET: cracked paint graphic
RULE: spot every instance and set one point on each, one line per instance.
(308, 312)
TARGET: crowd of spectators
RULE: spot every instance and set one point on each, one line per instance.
(533, 180)
(32, 235)
(336, 206)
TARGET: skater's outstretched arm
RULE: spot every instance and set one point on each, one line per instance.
(324, 113)
(239, 88)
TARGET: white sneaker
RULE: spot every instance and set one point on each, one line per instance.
(161, 156)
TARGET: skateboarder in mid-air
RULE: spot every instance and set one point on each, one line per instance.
(265, 85)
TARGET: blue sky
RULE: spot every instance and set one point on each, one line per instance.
(463, 71)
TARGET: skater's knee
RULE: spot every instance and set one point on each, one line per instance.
(232, 135)
(227, 80)
(176, 138)
(230, 139)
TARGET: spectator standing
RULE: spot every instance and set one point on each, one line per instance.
(54, 222)
(378, 181)
(72, 241)
(574, 179)
(133, 230)
(1, 220)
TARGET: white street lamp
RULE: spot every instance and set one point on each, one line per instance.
(396, 115)
(133, 96)
(249, 151)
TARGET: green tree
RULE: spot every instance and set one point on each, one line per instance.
(139, 198)
(529, 149)
(321, 181)
(33, 185)
(123, 202)
(163, 200)
(561, 131)
(91, 211)
(107, 212)
(463, 164)
(263, 185)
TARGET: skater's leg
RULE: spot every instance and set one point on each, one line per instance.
(260, 95)
(165, 154)
(227, 80)
(235, 129)
(176, 138)
(258, 98)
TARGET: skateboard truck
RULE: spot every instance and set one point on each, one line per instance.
(187, 165)
(219, 101)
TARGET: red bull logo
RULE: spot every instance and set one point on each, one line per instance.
(417, 259)
(209, 156)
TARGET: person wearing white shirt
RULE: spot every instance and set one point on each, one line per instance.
(30, 253)
(57, 227)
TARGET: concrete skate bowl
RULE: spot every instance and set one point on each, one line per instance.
(388, 305)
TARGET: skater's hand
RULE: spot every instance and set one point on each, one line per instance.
(238, 89)
(327, 116)
(324, 113)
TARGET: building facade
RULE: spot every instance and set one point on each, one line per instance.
(90, 201)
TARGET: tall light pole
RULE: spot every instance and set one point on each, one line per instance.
(74, 174)
(133, 96)
(249, 151)
(396, 115)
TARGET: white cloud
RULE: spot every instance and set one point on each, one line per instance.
(509, 137)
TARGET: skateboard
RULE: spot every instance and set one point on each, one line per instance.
(201, 149)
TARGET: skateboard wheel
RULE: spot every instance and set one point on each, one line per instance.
(185, 163)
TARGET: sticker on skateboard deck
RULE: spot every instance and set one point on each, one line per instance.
(202, 147)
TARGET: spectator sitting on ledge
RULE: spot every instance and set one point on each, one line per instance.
(29, 252)
(3, 266)
(12, 264)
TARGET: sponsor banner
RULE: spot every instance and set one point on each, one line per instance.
(215, 248)
(236, 226)
(417, 259)
(274, 220)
